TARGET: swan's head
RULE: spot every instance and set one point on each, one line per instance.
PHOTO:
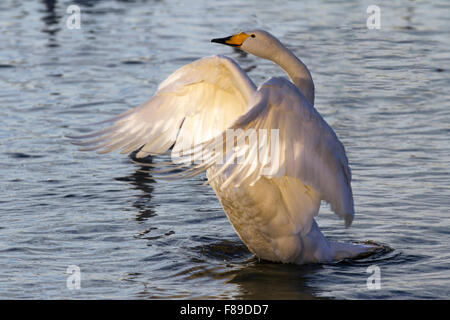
(258, 42)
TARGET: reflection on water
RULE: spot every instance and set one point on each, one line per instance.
(257, 282)
(52, 19)
(384, 92)
(142, 180)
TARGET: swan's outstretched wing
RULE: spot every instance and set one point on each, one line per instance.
(283, 135)
(192, 105)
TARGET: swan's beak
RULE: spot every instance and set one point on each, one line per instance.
(235, 41)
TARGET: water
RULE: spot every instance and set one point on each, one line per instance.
(385, 93)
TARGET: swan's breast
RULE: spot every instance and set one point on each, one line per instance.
(261, 219)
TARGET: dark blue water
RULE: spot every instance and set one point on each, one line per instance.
(385, 93)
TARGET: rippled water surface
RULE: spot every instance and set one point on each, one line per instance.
(385, 92)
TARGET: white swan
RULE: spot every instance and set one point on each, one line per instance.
(272, 211)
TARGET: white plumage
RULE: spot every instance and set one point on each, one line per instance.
(270, 198)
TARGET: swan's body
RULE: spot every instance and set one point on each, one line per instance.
(271, 204)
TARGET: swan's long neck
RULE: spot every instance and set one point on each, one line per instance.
(296, 70)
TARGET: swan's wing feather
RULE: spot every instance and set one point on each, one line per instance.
(193, 104)
(302, 146)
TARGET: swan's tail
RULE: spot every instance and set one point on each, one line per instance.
(353, 250)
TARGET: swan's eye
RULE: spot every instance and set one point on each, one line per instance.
(252, 35)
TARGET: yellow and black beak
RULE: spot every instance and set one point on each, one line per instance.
(235, 41)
